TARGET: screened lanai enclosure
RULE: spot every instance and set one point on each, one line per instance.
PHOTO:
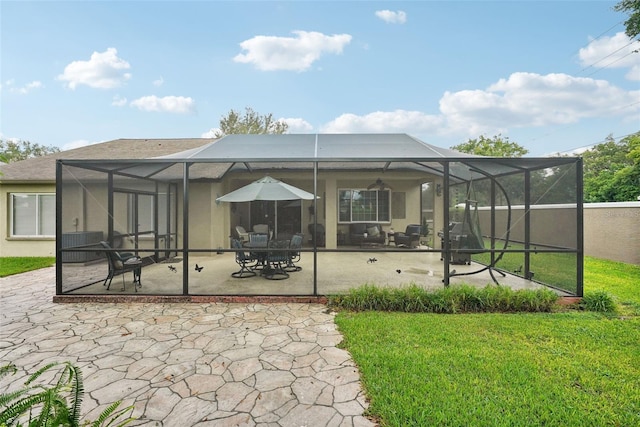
(379, 209)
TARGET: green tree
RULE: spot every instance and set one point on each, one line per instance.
(631, 7)
(250, 122)
(12, 151)
(612, 170)
(497, 146)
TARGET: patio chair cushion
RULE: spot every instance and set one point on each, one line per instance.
(374, 232)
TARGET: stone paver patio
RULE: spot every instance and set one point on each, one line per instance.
(212, 364)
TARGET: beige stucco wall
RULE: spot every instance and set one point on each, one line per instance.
(212, 223)
(329, 183)
(12, 247)
(612, 231)
(554, 225)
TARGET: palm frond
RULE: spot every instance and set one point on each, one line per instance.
(77, 393)
(39, 372)
(111, 416)
(22, 406)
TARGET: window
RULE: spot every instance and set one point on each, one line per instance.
(33, 215)
(364, 206)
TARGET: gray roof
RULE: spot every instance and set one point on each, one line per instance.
(315, 147)
(43, 169)
(213, 158)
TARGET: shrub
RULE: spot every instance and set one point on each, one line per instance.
(57, 405)
(598, 301)
(453, 299)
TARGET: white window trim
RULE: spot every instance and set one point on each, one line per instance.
(37, 216)
(388, 221)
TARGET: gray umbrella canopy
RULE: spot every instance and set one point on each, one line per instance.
(266, 188)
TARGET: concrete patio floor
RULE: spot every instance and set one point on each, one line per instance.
(337, 272)
(186, 364)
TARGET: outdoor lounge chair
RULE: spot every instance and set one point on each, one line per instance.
(244, 260)
(410, 238)
(120, 263)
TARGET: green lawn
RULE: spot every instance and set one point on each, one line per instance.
(16, 265)
(568, 368)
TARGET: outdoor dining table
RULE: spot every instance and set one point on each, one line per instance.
(261, 254)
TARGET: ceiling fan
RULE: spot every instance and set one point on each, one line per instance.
(381, 185)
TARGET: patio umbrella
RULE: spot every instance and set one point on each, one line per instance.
(266, 188)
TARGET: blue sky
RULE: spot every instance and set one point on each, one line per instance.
(551, 76)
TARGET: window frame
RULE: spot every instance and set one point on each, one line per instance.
(37, 216)
(377, 210)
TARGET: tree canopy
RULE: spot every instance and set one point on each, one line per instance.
(612, 170)
(631, 7)
(497, 146)
(250, 122)
(12, 151)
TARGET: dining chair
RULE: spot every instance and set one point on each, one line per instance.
(244, 260)
(294, 253)
(243, 234)
(263, 229)
(277, 259)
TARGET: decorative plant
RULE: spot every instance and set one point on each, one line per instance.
(424, 231)
(53, 405)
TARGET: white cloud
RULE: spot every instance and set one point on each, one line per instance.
(119, 101)
(385, 122)
(392, 17)
(529, 99)
(28, 87)
(270, 53)
(167, 104)
(634, 73)
(521, 100)
(10, 84)
(297, 125)
(211, 133)
(158, 82)
(103, 71)
(612, 52)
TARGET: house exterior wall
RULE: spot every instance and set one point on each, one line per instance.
(211, 223)
(22, 246)
(610, 229)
